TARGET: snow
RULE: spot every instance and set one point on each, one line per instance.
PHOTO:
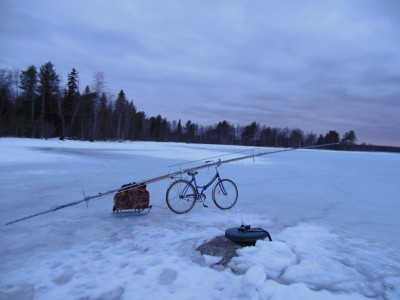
(333, 218)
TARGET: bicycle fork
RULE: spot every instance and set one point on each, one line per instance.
(222, 188)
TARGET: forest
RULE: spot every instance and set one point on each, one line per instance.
(34, 104)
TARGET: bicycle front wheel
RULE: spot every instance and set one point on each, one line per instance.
(181, 196)
(225, 194)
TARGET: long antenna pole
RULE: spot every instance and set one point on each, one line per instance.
(166, 176)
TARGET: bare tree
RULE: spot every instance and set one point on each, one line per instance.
(98, 88)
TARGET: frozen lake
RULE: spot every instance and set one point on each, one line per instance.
(333, 217)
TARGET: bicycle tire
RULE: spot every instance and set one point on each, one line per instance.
(225, 194)
(177, 202)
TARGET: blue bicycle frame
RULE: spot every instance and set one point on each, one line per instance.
(203, 188)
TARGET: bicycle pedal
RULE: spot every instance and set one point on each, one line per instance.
(206, 206)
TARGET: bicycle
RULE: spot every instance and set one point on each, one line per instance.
(183, 194)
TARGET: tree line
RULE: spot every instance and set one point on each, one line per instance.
(33, 103)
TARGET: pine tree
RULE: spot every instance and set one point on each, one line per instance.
(71, 103)
(332, 137)
(179, 131)
(320, 140)
(85, 116)
(139, 129)
(190, 129)
(349, 137)
(296, 138)
(119, 112)
(224, 132)
(50, 105)
(29, 87)
(104, 116)
(7, 103)
(249, 133)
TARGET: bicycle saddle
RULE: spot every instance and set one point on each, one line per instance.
(191, 173)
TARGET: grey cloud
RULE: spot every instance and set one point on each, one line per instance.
(316, 65)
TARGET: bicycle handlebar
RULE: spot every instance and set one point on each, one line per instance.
(218, 163)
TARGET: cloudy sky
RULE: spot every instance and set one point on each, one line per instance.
(313, 65)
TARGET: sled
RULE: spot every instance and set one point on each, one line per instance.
(246, 235)
(131, 212)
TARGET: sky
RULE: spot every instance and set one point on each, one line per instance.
(313, 65)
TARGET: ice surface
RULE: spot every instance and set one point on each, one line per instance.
(333, 217)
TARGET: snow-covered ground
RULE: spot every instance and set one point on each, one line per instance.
(333, 217)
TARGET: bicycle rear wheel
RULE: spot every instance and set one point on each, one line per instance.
(181, 196)
(225, 194)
